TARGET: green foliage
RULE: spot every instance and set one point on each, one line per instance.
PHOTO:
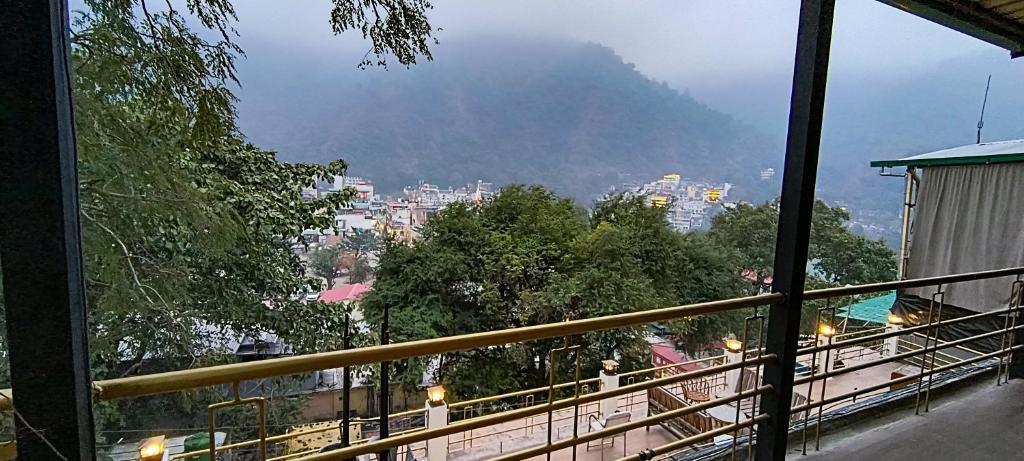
(836, 256)
(325, 263)
(362, 244)
(397, 27)
(360, 272)
(528, 257)
(186, 226)
(751, 231)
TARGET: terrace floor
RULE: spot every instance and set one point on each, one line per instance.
(981, 423)
(509, 437)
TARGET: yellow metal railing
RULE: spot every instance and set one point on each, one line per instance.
(455, 406)
(234, 373)
(161, 383)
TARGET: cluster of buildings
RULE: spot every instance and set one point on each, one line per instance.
(400, 217)
(690, 204)
(430, 195)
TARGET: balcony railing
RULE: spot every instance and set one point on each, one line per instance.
(920, 346)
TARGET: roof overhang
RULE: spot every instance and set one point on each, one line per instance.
(985, 153)
(999, 22)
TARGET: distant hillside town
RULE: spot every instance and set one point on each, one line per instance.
(690, 204)
(400, 217)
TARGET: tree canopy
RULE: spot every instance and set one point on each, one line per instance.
(187, 226)
(528, 257)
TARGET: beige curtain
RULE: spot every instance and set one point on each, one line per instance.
(969, 218)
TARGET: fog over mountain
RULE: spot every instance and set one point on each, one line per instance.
(877, 115)
(578, 118)
(572, 116)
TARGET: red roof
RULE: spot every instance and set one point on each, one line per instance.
(670, 355)
(344, 293)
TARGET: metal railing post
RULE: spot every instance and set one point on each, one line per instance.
(796, 206)
(1015, 367)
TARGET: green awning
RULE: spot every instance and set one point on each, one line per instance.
(971, 154)
(874, 310)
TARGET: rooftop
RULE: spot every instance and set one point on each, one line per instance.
(972, 154)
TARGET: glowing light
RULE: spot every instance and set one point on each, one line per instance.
(826, 330)
(894, 319)
(733, 345)
(152, 448)
(436, 394)
(610, 366)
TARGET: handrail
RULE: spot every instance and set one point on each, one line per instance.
(451, 406)
(897, 357)
(610, 431)
(512, 415)
(823, 293)
(159, 383)
(225, 374)
(490, 398)
(901, 332)
(903, 379)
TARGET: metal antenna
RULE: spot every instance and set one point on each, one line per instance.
(981, 120)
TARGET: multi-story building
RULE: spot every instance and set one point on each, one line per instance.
(690, 204)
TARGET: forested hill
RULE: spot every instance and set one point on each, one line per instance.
(572, 116)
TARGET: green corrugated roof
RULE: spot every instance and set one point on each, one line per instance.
(971, 154)
(874, 310)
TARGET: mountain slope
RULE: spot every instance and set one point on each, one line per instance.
(571, 116)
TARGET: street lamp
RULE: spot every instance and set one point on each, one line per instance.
(435, 395)
(610, 367)
(733, 345)
(826, 330)
(152, 449)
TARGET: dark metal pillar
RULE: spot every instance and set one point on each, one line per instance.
(797, 203)
(40, 240)
(1016, 367)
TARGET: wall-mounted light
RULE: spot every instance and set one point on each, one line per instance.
(826, 330)
(733, 345)
(610, 367)
(894, 319)
(436, 394)
(152, 448)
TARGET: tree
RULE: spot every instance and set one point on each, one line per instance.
(361, 271)
(326, 263)
(361, 244)
(528, 257)
(186, 226)
(836, 256)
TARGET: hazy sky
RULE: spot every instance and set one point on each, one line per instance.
(691, 41)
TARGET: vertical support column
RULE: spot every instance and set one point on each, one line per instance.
(733, 354)
(437, 417)
(40, 239)
(803, 141)
(891, 346)
(826, 359)
(609, 376)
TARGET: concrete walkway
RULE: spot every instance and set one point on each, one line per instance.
(979, 424)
